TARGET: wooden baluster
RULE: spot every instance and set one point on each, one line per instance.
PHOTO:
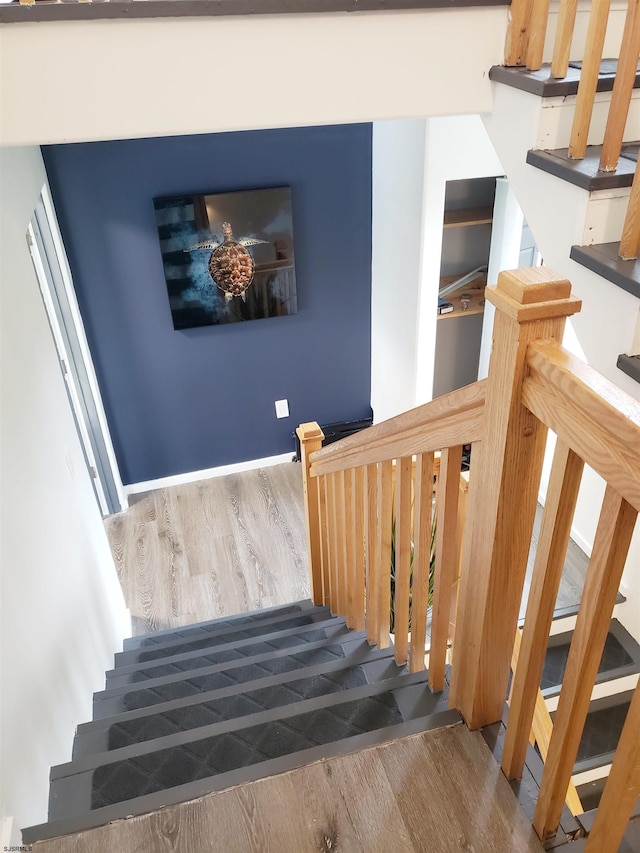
(589, 77)
(613, 536)
(372, 585)
(518, 32)
(350, 545)
(311, 437)
(341, 545)
(324, 539)
(622, 89)
(541, 727)
(463, 499)
(562, 495)
(537, 33)
(360, 547)
(564, 37)
(630, 242)
(402, 558)
(333, 544)
(422, 515)
(446, 562)
(622, 788)
(383, 552)
(531, 304)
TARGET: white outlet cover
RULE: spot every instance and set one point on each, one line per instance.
(282, 408)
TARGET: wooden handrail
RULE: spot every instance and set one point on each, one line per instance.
(363, 529)
(455, 418)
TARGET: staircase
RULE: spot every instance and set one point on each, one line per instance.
(200, 709)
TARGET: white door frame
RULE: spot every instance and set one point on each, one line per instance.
(56, 285)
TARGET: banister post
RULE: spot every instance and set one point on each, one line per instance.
(311, 438)
(531, 304)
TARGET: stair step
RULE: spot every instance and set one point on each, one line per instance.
(222, 622)
(630, 841)
(180, 685)
(585, 173)
(192, 790)
(602, 730)
(543, 84)
(104, 779)
(235, 650)
(220, 636)
(621, 657)
(233, 703)
(603, 260)
(629, 364)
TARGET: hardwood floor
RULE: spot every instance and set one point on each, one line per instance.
(212, 548)
(437, 792)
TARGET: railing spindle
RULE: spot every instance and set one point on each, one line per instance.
(518, 32)
(621, 789)
(613, 536)
(622, 89)
(463, 501)
(402, 559)
(537, 33)
(372, 583)
(562, 495)
(324, 539)
(333, 544)
(385, 474)
(564, 37)
(341, 545)
(446, 562)
(423, 515)
(589, 78)
(630, 242)
(350, 546)
(360, 508)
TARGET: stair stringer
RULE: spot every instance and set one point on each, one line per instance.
(559, 215)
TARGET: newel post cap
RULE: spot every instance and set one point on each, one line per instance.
(533, 293)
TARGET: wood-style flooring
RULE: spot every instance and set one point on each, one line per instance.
(437, 792)
(213, 548)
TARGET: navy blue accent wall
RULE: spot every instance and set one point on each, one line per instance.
(181, 401)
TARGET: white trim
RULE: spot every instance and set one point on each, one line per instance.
(207, 473)
(67, 280)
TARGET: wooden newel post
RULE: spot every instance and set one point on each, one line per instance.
(531, 304)
(311, 438)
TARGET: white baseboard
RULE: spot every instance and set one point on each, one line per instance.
(208, 473)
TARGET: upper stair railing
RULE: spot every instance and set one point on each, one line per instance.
(525, 43)
(533, 385)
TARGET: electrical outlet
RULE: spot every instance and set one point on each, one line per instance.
(282, 408)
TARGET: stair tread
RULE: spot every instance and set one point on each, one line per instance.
(130, 697)
(543, 84)
(154, 637)
(223, 653)
(603, 259)
(585, 173)
(220, 636)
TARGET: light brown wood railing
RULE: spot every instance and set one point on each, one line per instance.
(533, 385)
(390, 489)
(525, 42)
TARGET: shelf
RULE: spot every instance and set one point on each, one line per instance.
(476, 305)
(468, 216)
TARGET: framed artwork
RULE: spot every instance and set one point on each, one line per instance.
(227, 257)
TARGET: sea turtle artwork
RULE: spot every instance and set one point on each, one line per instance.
(230, 266)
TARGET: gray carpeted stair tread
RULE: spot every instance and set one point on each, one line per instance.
(227, 705)
(225, 746)
(239, 619)
(218, 655)
(181, 685)
(221, 636)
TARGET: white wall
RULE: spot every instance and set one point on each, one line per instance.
(62, 612)
(397, 184)
(120, 79)
(457, 148)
